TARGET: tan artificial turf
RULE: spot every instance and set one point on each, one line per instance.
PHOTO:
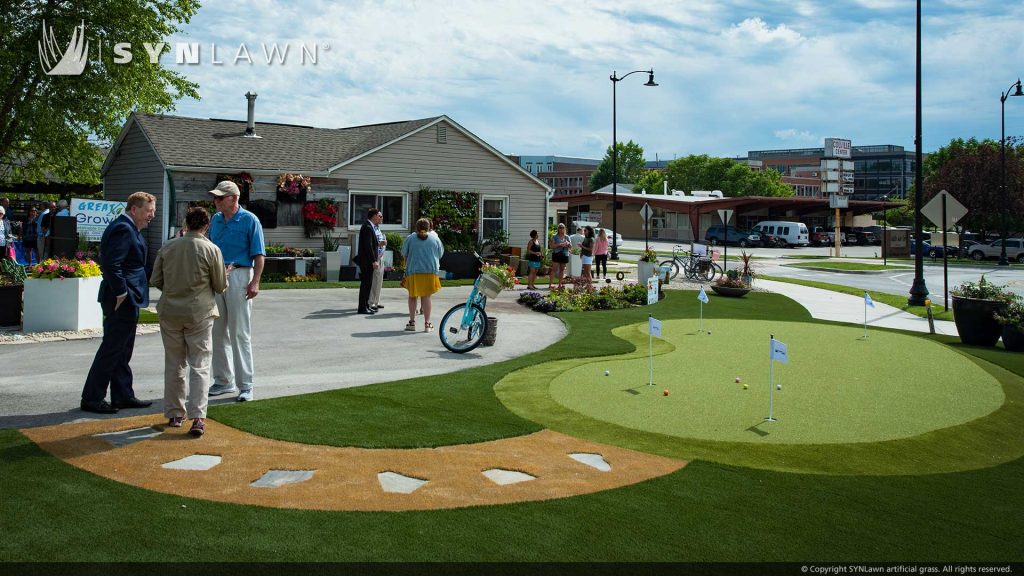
(345, 478)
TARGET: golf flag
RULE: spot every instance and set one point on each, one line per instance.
(779, 352)
(654, 326)
(702, 296)
(868, 301)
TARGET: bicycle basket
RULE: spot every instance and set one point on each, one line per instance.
(490, 285)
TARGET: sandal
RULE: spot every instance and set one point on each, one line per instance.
(428, 327)
(410, 326)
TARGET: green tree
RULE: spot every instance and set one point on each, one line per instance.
(630, 164)
(652, 181)
(46, 122)
(703, 172)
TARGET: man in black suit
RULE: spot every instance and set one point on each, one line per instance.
(123, 291)
(366, 258)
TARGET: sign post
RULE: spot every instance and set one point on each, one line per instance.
(944, 211)
(653, 329)
(726, 215)
(646, 214)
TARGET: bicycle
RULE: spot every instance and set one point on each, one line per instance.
(693, 266)
(464, 326)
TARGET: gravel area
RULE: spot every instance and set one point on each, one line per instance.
(14, 335)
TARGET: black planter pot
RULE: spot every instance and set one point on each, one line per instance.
(975, 320)
(1013, 338)
(10, 305)
(460, 264)
(730, 291)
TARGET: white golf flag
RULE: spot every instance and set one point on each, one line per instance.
(779, 352)
(702, 296)
(654, 326)
(868, 301)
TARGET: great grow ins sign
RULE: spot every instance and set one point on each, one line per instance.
(93, 216)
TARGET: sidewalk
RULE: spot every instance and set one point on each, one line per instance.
(827, 305)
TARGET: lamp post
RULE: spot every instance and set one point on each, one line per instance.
(885, 239)
(615, 158)
(1002, 158)
(919, 290)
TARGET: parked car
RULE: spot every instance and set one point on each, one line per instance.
(786, 233)
(934, 251)
(823, 236)
(857, 235)
(719, 234)
(1014, 250)
(608, 232)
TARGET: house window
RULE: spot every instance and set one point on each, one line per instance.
(493, 215)
(394, 206)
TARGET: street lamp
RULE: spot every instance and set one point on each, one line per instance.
(615, 158)
(1002, 158)
(919, 290)
(885, 239)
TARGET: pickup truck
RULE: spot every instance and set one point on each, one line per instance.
(821, 236)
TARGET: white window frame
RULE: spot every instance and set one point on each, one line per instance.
(504, 216)
(356, 221)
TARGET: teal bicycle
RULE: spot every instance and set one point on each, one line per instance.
(464, 326)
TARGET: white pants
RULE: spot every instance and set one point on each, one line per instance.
(232, 333)
(188, 348)
(378, 278)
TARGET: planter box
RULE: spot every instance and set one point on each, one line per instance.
(575, 268)
(10, 305)
(645, 270)
(975, 321)
(730, 291)
(460, 264)
(68, 304)
(1013, 339)
(331, 266)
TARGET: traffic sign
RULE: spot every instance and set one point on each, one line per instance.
(725, 215)
(954, 210)
(646, 212)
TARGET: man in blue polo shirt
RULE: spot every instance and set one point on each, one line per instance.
(239, 235)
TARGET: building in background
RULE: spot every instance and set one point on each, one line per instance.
(568, 176)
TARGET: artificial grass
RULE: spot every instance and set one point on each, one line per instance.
(851, 390)
(703, 513)
(893, 300)
(847, 266)
(461, 407)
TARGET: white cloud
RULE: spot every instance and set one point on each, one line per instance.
(794, 135)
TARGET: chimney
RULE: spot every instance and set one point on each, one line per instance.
(250, 123)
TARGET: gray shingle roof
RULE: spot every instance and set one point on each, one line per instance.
(201, 142)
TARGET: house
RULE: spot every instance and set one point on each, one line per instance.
(178, 159)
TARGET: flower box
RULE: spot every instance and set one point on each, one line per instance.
(490, 285)
(10, 305)
(62, 304)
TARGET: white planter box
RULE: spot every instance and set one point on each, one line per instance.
(645, 270)
(331, 265)
(68, 304)
(575, 265)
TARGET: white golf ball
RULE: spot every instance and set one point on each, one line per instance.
(605, 372)
(778, 386)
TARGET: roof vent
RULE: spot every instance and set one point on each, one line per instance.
(442, 134)
(250, 122)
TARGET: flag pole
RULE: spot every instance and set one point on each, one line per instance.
(650, 349)
(771, 378)
(865, 315)
(701, 329)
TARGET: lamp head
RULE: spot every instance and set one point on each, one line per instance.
(651, 82)
(1018, 92)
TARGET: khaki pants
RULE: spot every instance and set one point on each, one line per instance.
(232, 351)
(378, 278)
(188, 347)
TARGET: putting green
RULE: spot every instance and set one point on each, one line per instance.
(837, 387)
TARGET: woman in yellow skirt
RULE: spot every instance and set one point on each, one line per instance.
(422, 250)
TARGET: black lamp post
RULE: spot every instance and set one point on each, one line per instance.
(615, 158)
(885, 239)
(919, 290)
(1002, 158)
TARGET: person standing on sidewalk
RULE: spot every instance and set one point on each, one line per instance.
(367, 259)
(378, 272)
(189, 271)
(123, 291)
(601, 254)
(239, 235)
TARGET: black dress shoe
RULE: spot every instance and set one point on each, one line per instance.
(133, 402)
(367, 312)
(98, 407)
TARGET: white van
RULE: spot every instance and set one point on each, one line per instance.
(785, 233)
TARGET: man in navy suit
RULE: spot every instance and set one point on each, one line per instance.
(367, 258)
(124, 289)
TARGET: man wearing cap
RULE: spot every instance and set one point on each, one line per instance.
(239, 235)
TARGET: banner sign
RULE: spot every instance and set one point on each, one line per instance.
(93, 216)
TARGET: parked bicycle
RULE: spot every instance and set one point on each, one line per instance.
(464, 326)
(696, 267)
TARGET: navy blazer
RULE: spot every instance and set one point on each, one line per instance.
(123, 260)
(367, 253)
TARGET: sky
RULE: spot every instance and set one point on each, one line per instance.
(532, 77)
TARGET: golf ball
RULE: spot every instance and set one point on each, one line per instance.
(664, 392)
(744, 386)
(709, 332)
(737, 379)
(778, 386)
(605, 372)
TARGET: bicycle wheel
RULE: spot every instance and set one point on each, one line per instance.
(716, 270)
(706, 271)
(461, 338)
(674, 265)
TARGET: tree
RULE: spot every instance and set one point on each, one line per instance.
(703, 172)
(653, 181)
(630, 164)
(972, 172)
(46, 122)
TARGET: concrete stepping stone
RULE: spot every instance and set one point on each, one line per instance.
(126, 437)
(592, 460)
(398, 483)
(278, 478)
(504, 477)
(193, 462)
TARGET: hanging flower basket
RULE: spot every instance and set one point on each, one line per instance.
(293, 187)
(319, 216)
(490, 285)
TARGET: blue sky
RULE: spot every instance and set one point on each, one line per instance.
(531, 77)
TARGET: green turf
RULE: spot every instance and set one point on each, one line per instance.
(893, 300)
(828, 396)
(847, 266)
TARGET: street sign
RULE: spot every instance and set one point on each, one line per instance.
(725, 215)
(646, 212)
(954, 210)
(838, 201)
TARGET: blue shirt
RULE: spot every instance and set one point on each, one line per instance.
(39, 223)
(239, 239)
(422, 256)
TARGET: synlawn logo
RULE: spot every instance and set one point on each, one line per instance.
(70, 62)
